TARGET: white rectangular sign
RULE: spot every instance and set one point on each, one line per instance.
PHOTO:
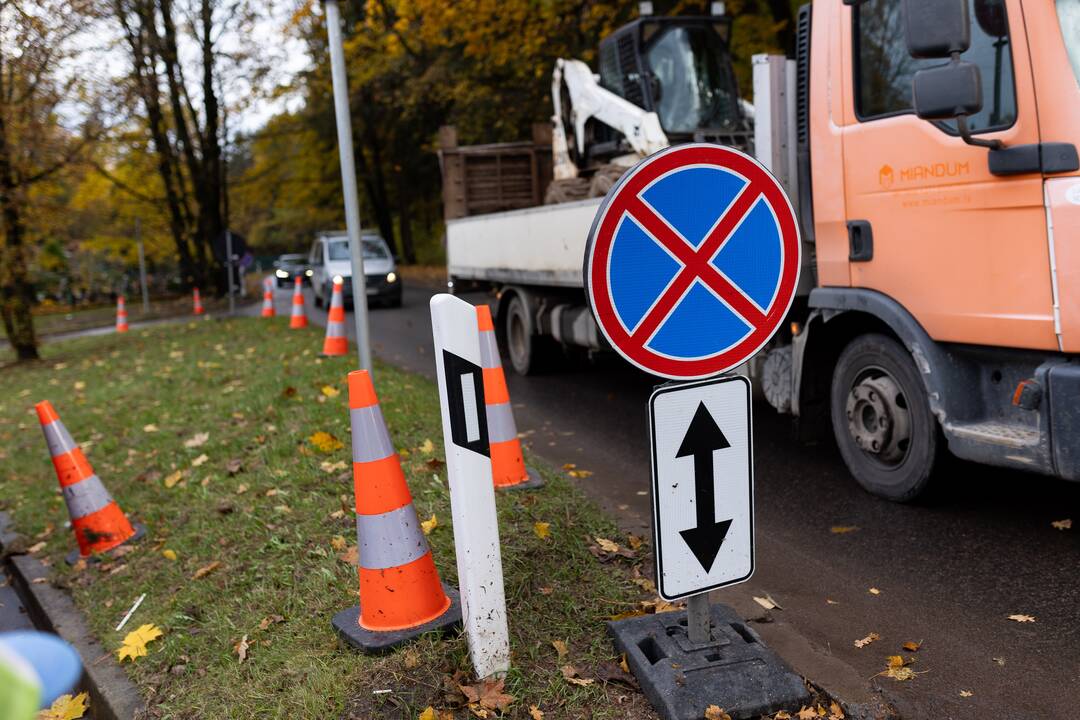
(703, 485)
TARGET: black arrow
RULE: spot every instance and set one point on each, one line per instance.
(701, 439)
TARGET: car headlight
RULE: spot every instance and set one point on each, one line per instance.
(281, 273)
(338, 279)
(391, 277)
(309, 273)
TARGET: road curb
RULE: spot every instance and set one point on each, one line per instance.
(112, 695)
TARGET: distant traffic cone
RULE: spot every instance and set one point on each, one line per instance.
(400, 593)
(508, 468)
(121, 315)
(336, 343)
(299, 318)
(268, 298)
(97, 520)
(198, 302)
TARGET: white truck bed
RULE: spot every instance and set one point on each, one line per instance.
(535, 246)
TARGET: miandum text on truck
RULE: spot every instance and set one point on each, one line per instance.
(936, 177)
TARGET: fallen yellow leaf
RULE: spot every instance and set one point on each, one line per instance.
(1065, 524)
(330, 391)
(429, 713)
(966, 693)
(842, 529)
(607, 545)
(1022, 618)
(66, 707)
(536, 713)
(570, 673)
(560, 648)
(874, 591)
(197, 440)
(199, 460)
(151, 428)
(579, 473)
(206, 570)
(169, 554)
(338, 543)
(867, 640)
(173, 478)
(135, 642)
(428, 525)
(241, 648)
(713, 712)
(332, 467)
(427, 447)
(325, 442)
(911, 646)
(542, 530)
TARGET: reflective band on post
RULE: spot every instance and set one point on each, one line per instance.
(500, 419)
(58, 438)
(85, 497)
(370, 439)
(389, 540)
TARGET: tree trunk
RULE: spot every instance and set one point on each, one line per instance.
(16, 292)
(408, 251)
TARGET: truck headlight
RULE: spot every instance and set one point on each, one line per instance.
(309, 273)
(391, 277)
(338, 280)
(281, 273)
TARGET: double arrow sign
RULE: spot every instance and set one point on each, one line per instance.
(702, 438)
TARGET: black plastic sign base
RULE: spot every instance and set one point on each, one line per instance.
(736, 671)
(347, 624)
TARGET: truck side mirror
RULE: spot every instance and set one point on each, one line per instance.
(948, 91)
(936, 28)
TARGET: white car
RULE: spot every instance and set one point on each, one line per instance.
(329, 258)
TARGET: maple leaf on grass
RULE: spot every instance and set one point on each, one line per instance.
(241, 648)
(67, 707)
(429, 713)
(536, 713)
(488, 694)
(135, 642)
(197, 440)
(206, 570)
(325, 442)
(428, 525)
(542, 530)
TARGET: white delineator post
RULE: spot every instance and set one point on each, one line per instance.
(472, 493)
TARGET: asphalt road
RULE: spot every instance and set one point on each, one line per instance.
(949, 572)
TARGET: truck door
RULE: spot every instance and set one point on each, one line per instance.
(963, 250)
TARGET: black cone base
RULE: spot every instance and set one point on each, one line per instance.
(534, 481)
(347, 624)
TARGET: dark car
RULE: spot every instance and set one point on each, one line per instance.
(287, 267)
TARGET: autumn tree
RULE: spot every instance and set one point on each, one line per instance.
(36, 93)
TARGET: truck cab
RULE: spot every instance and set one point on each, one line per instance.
(939, 190)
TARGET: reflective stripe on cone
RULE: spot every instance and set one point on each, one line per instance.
(336, 343)
(197, 300)
(399, 585)
(507, 463)
(299, 318)
(97, 520)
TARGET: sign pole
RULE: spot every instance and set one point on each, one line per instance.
(348, 182)
(142, 267)
(697, 619)
(472, 491)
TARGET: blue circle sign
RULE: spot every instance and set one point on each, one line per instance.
(692, 261)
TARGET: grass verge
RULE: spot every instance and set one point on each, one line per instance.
(257, 497)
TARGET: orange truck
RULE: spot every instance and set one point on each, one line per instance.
(930, 148)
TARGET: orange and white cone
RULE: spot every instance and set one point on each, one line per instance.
(197, 300)
(268, 298)
(400, 593)
(97, 520)
(299, 317)
(508, 469)
(336, 343)
(121, 315)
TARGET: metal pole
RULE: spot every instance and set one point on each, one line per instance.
(697, 619)
(142, 268)
(228, 269)
(348, 182)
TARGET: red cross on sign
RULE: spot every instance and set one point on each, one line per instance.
(692, 261)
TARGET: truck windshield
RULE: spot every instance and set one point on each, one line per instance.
(695, 86)
(1069, 16)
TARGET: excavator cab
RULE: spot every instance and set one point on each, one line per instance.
(680, 68)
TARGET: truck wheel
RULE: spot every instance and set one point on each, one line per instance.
(881, 418)
(524, 348)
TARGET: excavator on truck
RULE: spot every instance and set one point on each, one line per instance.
(661, 81)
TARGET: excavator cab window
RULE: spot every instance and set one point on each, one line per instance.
(690, 81)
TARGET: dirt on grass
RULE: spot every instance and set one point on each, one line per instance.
(202, 431)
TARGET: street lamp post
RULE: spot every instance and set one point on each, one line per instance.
(348, 181)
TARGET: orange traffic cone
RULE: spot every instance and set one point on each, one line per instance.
(400, 593)
(97, 520)
(268, 298)
(299, 318)
(121, 315)
(336, 343)
(508, 468)
(198, 302)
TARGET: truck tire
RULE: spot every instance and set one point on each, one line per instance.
(881, 418)
(526, 350)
